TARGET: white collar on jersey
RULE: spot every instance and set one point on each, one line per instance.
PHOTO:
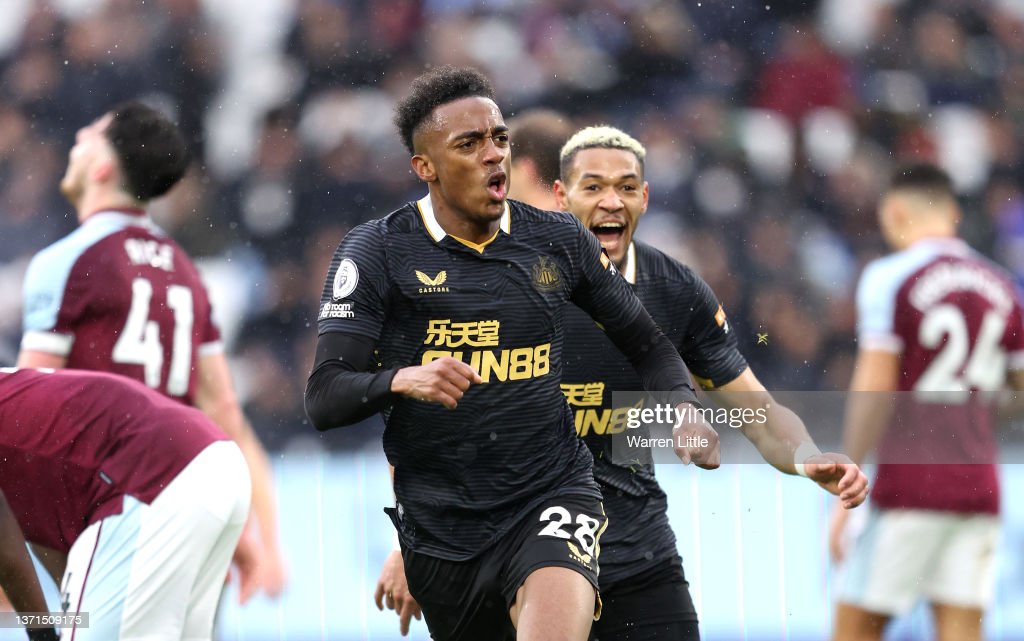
(629, 264)
(434, 228)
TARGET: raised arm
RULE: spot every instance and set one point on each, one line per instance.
(602, 293)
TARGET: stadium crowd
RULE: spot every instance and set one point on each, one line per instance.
(771, 127)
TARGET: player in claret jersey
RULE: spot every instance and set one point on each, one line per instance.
(448, 315)
(940, 328)
(145, 495)
(117, 295)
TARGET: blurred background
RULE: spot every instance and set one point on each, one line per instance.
(770, 128)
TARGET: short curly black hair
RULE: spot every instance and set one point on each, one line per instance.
(152, 152)
(434, 88)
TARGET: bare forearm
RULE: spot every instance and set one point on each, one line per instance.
(17, 574)
(779, 437)
(779, 434)
(866, 417)
(264, 507)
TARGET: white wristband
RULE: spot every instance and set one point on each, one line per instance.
(802, 453)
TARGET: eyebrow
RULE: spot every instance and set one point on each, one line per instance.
(592, 175)
(476, 133)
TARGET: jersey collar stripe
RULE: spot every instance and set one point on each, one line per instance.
(426, 209)
(49, 342)
(629, 268)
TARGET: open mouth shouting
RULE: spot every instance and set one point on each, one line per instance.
(497, 186)
(609, 231)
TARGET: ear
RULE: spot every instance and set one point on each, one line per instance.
(561, 199)
(424, 168)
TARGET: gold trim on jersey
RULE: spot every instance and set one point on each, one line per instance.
(479, 247)
(436, 232)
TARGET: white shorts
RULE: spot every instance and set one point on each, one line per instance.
(155, 572)
(902, 556)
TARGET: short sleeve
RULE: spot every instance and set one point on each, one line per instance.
(210, 340)
(876, 310)
(46, 299)
(710, 348)
(1014, 338)
(355, 294)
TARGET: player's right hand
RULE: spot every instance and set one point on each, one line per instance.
(393, 591)
(442, 381)
(697, 442)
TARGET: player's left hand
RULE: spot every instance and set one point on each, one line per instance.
(840, 476)
(393, 591)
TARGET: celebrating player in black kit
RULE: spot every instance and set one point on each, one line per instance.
(643, 588)
(448, 316)
(642, 583)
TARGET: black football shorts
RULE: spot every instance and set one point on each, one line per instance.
(470, 600)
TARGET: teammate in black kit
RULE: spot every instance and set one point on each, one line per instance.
(645, 593)
(448, 316)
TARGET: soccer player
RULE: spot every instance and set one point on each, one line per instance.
(117, 295)
(447, 314)
(537, 135)
(643, 587)
(146, 496)
(940, 328)
(646, 593)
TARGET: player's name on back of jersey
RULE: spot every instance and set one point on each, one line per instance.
(142, 251)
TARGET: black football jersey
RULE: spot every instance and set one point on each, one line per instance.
(464, 476)
(689, 314)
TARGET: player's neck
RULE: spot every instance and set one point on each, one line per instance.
(925, 234)
(477, 230)
(94, 202)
